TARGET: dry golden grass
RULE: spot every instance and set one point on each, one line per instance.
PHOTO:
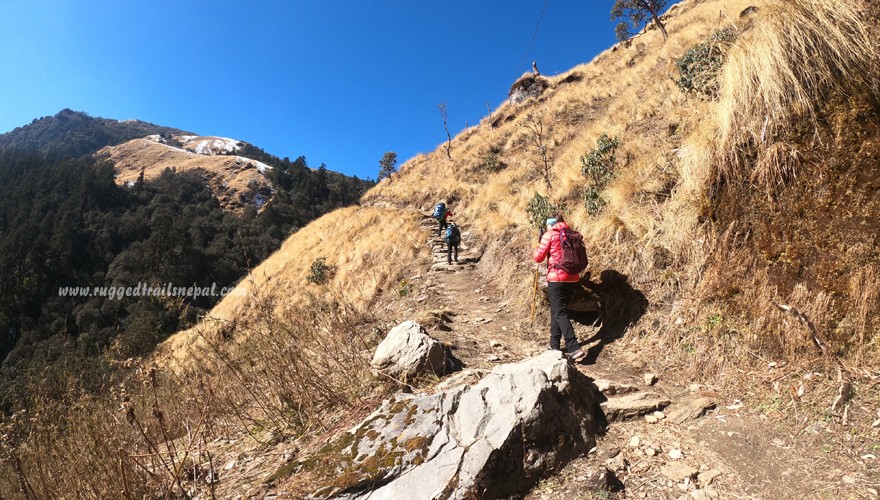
(368, 249)
(784, 66)
(626, 93)
(865, 288)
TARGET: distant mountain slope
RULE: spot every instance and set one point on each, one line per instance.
(237, 181)
(71, 134)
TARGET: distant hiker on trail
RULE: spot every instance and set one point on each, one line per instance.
(441, 214)
(567, 258)
(453, 239)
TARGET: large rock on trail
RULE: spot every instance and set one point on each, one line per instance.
(496, 438)
(408, 351)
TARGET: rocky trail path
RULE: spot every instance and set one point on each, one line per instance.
(665, 438)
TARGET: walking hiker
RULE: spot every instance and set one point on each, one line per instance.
(441, 213)
(567, 258)
(453, 239)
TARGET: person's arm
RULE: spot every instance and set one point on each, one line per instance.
(543, 248)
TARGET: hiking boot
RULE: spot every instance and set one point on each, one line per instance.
(577, 355)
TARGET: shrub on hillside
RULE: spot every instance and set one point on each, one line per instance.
(598, 166)
(492, 162)
(698, 68)
(320, 272)
(540, 208)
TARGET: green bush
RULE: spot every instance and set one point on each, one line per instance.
(698, 68)
(540, 208)
(492, 162)
(320, 272)
(598, 166)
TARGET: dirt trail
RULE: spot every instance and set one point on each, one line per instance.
(698, 444)
(464, 310)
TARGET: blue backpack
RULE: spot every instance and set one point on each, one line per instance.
(439, 211)
(453, 235)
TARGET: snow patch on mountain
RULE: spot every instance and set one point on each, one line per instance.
(209, 145)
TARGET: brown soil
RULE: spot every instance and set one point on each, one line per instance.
(819, 227)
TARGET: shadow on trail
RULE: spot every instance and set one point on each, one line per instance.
(621, 306)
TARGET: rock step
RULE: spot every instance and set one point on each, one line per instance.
(633, 405)
(690, 409)
(610, 387)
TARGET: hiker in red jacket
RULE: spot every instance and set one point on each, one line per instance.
(560, 288)
(444, 221)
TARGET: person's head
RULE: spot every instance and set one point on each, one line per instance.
(553, 219)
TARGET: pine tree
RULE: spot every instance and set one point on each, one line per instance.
(387, 165)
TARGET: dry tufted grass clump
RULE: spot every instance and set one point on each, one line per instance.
(784, 66)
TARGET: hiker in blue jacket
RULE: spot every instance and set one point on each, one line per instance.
(442, 214)
(453, 239)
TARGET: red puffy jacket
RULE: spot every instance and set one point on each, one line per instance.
(550, 246)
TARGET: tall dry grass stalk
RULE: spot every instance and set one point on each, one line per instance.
(778, 164)
(781, 69)
(144, 442)
(864, 291)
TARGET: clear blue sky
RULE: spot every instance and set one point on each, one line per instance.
(337, 81)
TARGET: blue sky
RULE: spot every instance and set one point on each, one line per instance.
(338, 81)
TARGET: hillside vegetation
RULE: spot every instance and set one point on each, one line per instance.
(721, 174)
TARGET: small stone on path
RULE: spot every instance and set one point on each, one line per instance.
(675, 454)
(650, 378)
(634, 442)
(678, 471)
(705, 478)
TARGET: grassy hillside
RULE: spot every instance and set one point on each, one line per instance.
(718, 201)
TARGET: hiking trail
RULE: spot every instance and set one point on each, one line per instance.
(665, 438)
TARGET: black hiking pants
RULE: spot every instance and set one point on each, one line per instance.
(442, 226)
(559, 294)
(451, 249)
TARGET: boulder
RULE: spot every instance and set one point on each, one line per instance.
(528, 85)
(408, 351)
(497, 438)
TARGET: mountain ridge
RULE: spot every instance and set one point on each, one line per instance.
(71, 133)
